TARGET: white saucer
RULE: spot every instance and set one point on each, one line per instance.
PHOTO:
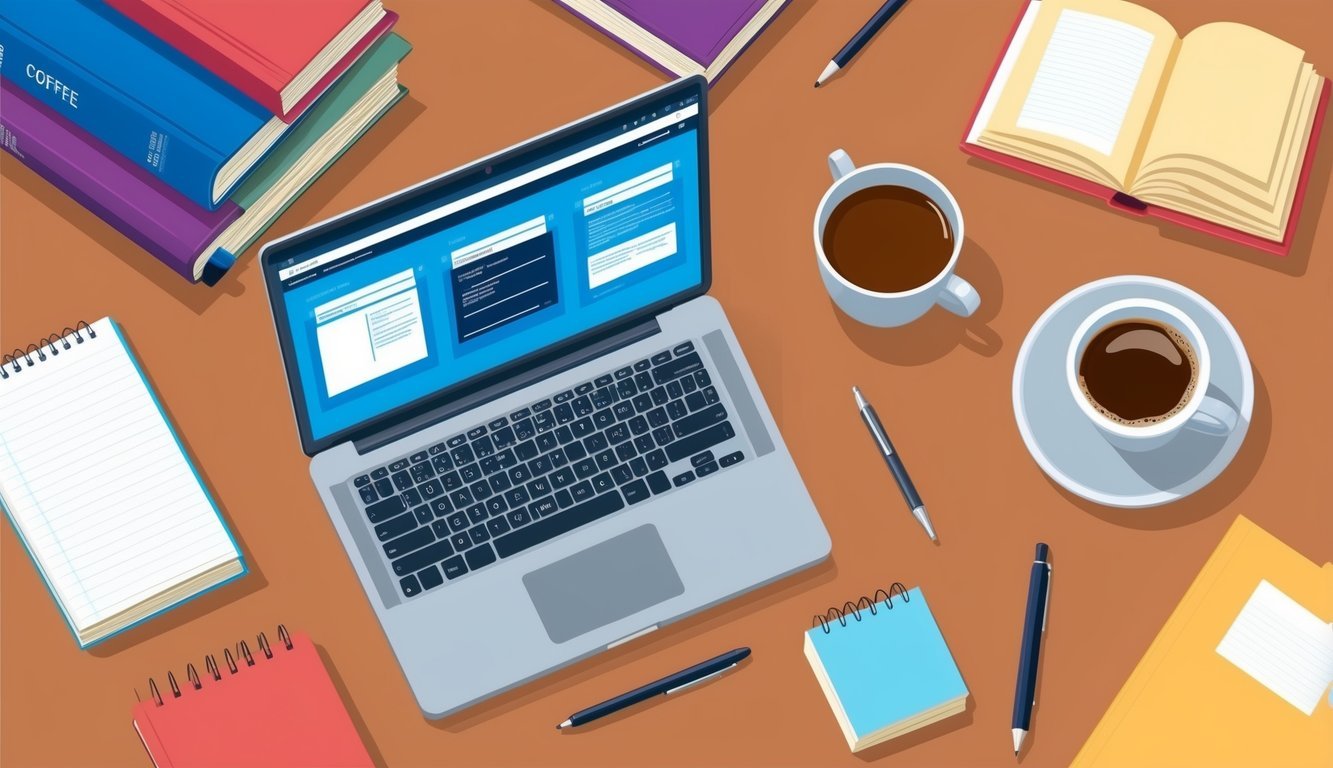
(1073, 452)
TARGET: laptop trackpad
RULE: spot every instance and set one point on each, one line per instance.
(603, 583)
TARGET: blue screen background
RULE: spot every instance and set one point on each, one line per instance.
(577, 310)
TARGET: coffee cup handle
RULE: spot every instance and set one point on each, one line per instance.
(1214, 417)
(840, 164)
(959, 297)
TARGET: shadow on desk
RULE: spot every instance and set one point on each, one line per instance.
(251, 582)
(633, 652)
(920, 736)
(197, 296)
(1208, 500)
(350, 704)
(939, 331)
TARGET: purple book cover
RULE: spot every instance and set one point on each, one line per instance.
(156, 217)
(700, 29)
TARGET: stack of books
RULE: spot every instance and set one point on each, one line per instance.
(191, 125)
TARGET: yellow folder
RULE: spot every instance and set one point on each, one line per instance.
(1186, 705)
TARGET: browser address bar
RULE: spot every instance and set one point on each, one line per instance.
(496, 190)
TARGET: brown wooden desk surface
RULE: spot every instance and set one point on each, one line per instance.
(484, 75)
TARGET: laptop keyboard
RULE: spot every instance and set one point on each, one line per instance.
(562, 462)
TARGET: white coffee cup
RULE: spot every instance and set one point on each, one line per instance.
(886, 310)
(1201, 413)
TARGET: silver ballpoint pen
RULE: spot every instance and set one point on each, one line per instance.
(895, 463)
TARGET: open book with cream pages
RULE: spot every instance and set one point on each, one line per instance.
(1214, 130)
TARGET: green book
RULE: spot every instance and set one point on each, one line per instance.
(356, 102)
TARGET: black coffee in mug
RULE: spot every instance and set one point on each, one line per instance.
(1138, 372)
(888, 239)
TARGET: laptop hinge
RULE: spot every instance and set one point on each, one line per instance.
(494, 391)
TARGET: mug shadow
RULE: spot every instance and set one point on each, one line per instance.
(636, 651)
(939, 331)
(1209, 499)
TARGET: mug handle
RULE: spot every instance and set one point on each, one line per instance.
(958, 296)
(840, 164)
(1214, 417)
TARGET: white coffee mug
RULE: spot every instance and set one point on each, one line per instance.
(886, 310)
(1201, 413)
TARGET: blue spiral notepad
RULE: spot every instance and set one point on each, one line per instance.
(884, 667)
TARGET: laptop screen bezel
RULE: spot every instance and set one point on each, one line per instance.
(453, 185)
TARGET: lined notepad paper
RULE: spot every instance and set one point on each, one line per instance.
(1086, 80)
(99, 488)
(1285, 647)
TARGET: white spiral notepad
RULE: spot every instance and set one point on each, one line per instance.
(99, 488)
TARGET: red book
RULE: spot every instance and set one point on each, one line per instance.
(281, 53)
(254, 705)
(1129, 205)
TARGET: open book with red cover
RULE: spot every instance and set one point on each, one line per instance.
(1215, 131)
(281, 53)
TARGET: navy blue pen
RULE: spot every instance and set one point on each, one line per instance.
(895, 463)
(1034, 625)
(667, 685)
(844, 57)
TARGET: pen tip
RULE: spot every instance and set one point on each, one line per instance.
(816, 83)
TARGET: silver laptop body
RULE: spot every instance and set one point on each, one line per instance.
(502, 580)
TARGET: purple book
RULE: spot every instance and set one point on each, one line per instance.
(681, 37)
(156, 217)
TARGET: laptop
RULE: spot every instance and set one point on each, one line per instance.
(534, 431)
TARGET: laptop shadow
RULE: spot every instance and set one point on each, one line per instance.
(633, 652)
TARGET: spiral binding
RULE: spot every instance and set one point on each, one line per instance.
(212, 670)
(15, 361)
(853, 610)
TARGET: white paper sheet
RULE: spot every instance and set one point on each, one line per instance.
(1282, 645)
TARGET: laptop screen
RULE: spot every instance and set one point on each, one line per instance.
(546, 242)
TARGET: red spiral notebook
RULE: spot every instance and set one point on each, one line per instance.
(261, 705)
(1120, 200)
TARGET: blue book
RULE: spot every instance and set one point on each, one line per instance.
(100, 489)
(884, 667)
(136, 94)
